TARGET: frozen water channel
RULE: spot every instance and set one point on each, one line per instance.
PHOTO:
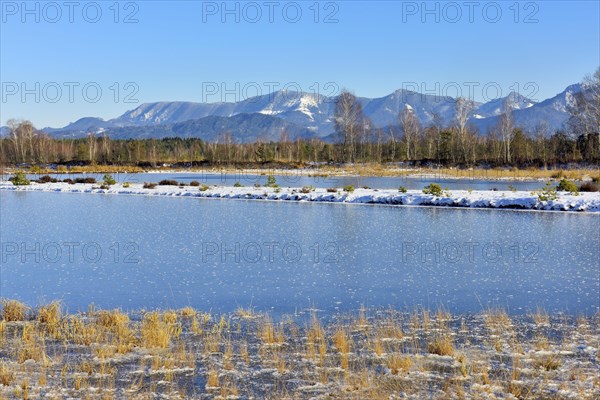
(151, 252)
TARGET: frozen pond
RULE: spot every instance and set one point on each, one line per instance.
(134, 252)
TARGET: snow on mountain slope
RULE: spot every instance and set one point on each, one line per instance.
(495, 107)
(552, 111)
(384, 111)
(315, 112)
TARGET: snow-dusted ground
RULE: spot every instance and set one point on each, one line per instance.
(589, 202)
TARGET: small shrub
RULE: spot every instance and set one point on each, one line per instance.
(257, 185)
(589, 187)
(277, 190)
(271, 181)
(596, 179)
(46, 179)
(366, 187)
(168, 182)
(85, 180)
(237, 184)
(434, 189)
(204, 188)
(512, 188)
(126, 184)
(402, 189)
(19, 179)
(558, 174)
(194, 183)
(305, 189)
(108, 179)
(470, 190)
(69, 181)
(332, 190)
(148, 185)
(546, 193)
(349, 188)
(566, 185)
(104, 186)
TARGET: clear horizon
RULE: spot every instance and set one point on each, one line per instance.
(60, 64)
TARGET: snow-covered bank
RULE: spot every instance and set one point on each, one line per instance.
(457, 198)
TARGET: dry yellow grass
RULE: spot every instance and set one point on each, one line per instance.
(187, 312)
(155, 333)
(547, 362)
(316, 340)
(370, 169)
(6, 375)
(497, 319)
(245, 312)
(31, 347)
(269, 334)
(13, 310)
(111, 319)
(97, 169)
(85, 361)
(441, 345)
(229, 389)
(343, 343)
(212, 379)
(228, 356)
(342, 340)
(397, 364)
(50, 316)
(358, 169)
(540, 317)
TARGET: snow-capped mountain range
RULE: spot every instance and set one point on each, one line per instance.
(305, 115)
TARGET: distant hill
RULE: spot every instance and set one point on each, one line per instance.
(243, 128)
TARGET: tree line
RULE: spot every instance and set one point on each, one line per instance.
(456, 144)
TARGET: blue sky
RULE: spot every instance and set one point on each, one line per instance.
(195, 51)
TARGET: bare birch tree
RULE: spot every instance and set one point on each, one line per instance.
(463, 109)
(505, 128)
(411, 128)
(348, 116)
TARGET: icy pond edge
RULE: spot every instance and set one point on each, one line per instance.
(584, 202)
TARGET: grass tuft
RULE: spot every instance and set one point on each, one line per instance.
(441, 345)
(13, 310)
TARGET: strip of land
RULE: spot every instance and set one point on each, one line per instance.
(555, 201)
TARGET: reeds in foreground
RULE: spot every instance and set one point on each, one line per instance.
(374, 354)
